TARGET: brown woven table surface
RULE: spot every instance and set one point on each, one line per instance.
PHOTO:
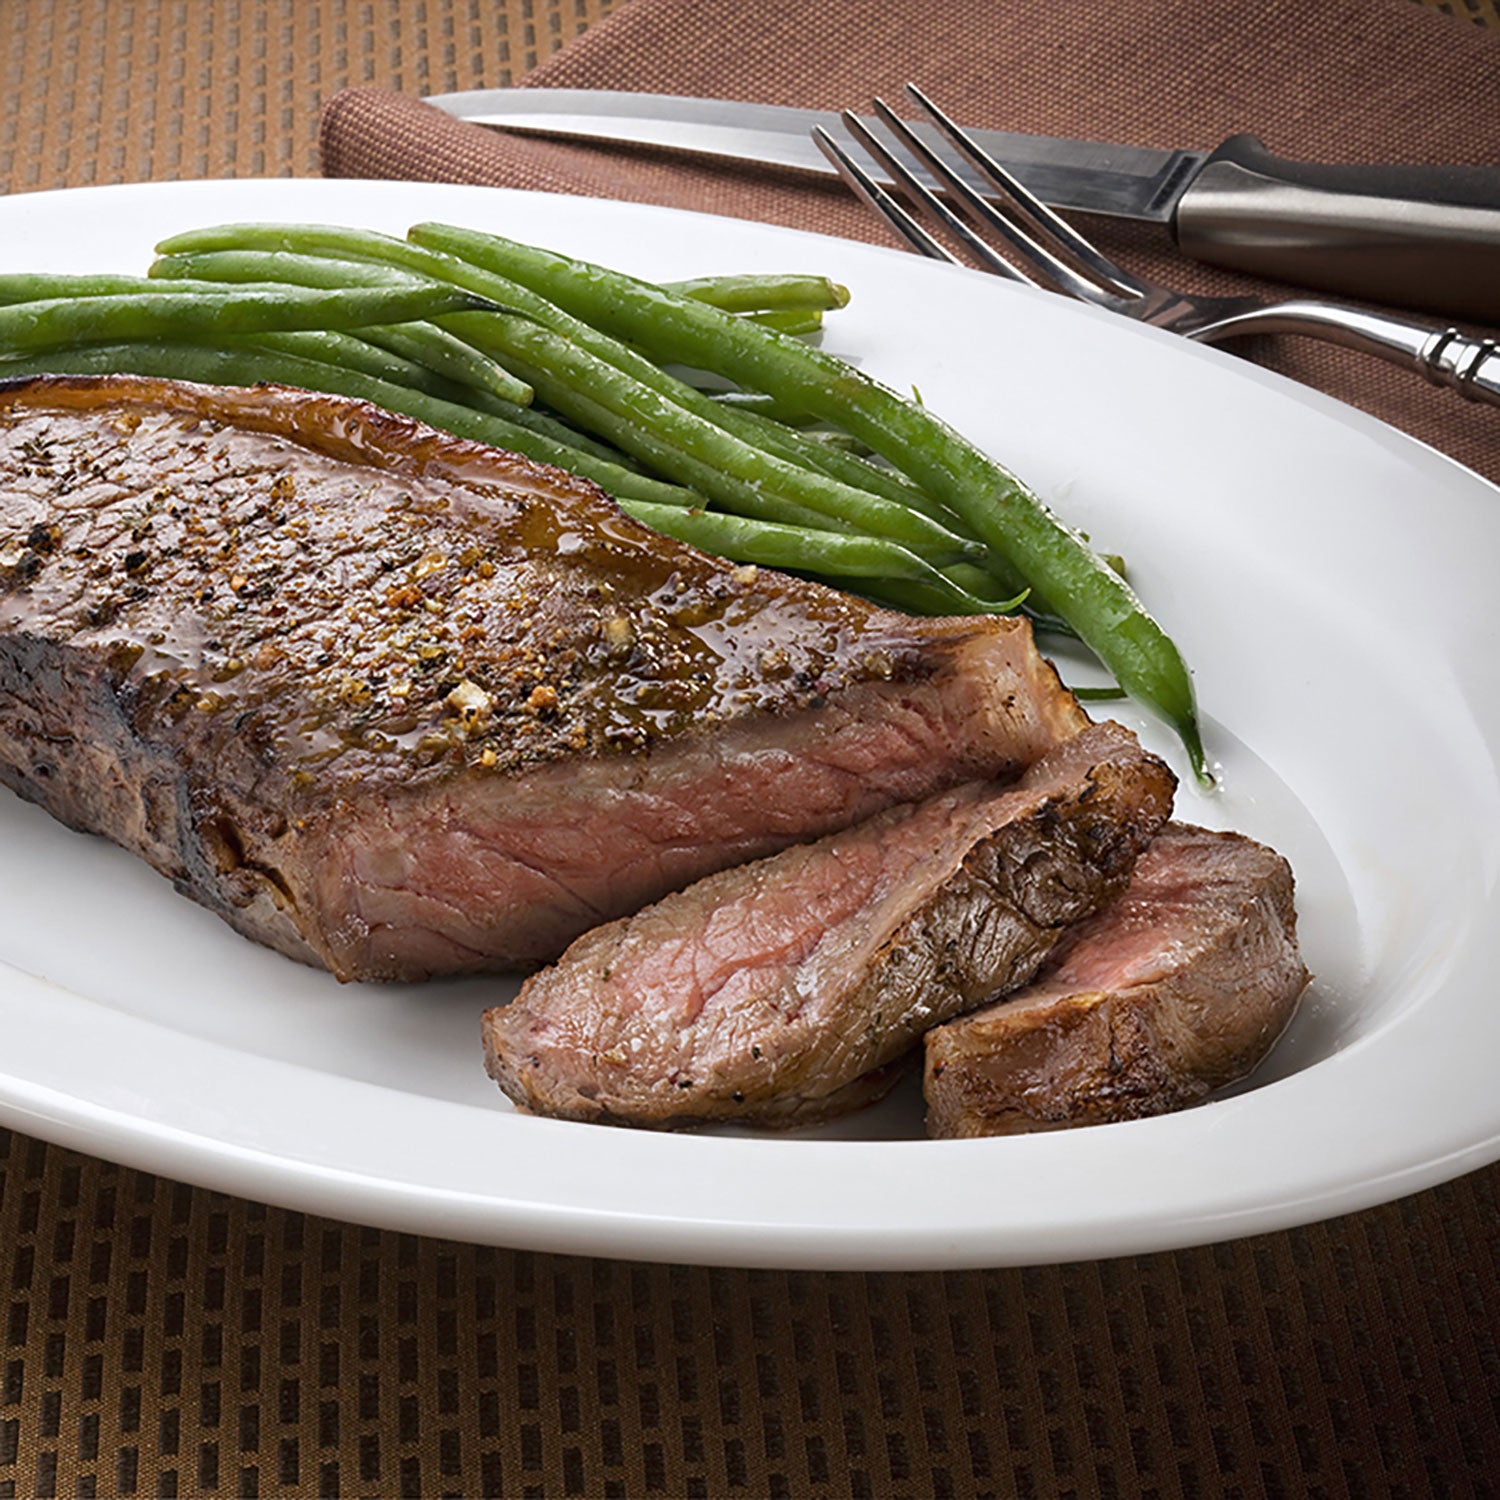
(161, 1339)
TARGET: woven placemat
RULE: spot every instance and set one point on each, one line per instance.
(162, 1340)
(166, 1340)
(146, 90)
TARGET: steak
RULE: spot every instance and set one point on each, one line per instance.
(784, 991)
(402, 705)
(1179, 987)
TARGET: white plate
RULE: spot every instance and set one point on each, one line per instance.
(1332, 583)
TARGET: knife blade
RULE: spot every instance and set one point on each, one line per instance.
(1419, 236)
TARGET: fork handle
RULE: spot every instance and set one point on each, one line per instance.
(1444, 356)
(1416, 236)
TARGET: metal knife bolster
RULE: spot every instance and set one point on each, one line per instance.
(1425, 237)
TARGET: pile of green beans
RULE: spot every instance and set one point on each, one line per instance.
(801, 462)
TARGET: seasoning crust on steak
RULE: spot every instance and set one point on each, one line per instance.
(783, 991)
(1180, 987)
(401, 704)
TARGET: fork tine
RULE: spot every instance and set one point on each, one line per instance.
(926, 199)
(872, 195)
(1034, 250)
(1025, 203)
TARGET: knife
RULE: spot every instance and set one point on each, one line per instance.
(1418, 236)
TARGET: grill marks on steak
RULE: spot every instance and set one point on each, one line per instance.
(1180, 987)
(782, 991)
(401, 704)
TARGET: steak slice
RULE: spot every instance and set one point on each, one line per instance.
(1179, 987)
(402, 704)
(776, 992)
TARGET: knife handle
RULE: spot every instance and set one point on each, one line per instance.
(1416, 236)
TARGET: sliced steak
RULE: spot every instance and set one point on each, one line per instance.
(1179, 987)
(772, 992)
(402, 704)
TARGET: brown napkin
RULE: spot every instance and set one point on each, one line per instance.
(1346, 80)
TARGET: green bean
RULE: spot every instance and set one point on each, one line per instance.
(1068, 578)
(373, 352)
(763, 405)
(582, 368)
(806, 452)
(346, 352)
(327, 346)
(577, 370)
(982, 585)
(643, 421)
(446, 354)
(47, 286)
(788, 320)
(247, 264)
(213, 268)
(908, 596)
(244, 364)
(62, 321)
(764, 293)
(423, 343)
(547, 425)
(216, 267)
(661, 457)
(848, 468)
(821, 553)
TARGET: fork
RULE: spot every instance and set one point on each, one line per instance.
(1057, 254)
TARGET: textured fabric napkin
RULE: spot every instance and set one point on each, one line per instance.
(1341, 80)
